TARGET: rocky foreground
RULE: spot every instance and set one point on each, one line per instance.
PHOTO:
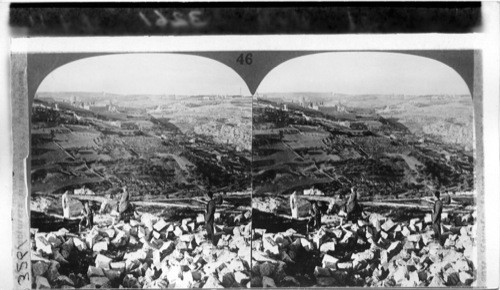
(376, 251)
(145, 253)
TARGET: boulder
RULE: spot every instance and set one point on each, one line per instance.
(337, 233)
(120, 239)
(322, 272)
(256, 281)
(329, 262)
(367, 255)
(451, 277)
(67, 247)
(167, 248)
(348, 235)
(200, 219)
(119, 266)
(415, 238)
(42, 245)
(346, 266)
(138, 255)
(99, 281)
(100, 246)
(178, 232)
(241, 277)
(414, 277)
(212, 282)
(39, 268)
(53, 271)
(42, 283)
(466, 278)
(183, 284)
(286, 258)
(188, 278)
(54, 240)
(174, 273)
(149, 220)
(405, 231)
(279, 271)
(197, 275)
(228, 279)
(428, 218)
(394, 248)
(129, 281)
(112, 275)
(327, 247)
(95, 272)
(462, 266)
(306, 244)
(319, 238)
(266, 269)
(109, 232)
(401, 274)
(267, 282)
(388, 225)
(270, 246)
(236, 265)
(102, 261)
(326, 281)
(289, 281)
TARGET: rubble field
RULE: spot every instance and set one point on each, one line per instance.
(375, 251)
(149, 252)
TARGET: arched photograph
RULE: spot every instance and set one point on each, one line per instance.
(140, 174)
(363, 173)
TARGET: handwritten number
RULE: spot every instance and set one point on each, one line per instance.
(24, 277)
(194, 19)
(22, 244)
(20, 255)
(19, 267)
(22, 265)
(179, 20)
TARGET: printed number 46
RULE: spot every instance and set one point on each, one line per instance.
(245, 59)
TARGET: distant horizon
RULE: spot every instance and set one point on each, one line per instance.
(135, 94)
(256, 94)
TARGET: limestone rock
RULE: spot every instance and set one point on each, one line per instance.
(329, 261)
(102, 261)
(267, 282)
(39, 268)
(42, 283)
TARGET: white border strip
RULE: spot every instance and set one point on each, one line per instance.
(491, 129)
(247, 43)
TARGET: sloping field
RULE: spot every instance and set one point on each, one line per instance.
(52, 157)
(77, 140)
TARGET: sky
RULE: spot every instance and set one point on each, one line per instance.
(340, 72)
(145, 74)
(364, 73)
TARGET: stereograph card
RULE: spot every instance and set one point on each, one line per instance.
(256, 161)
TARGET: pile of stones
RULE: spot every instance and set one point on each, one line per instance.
(145, 253)
(375, 251)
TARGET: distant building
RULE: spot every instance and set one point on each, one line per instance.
(102, 109)
(313, 106)
(340, 108)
